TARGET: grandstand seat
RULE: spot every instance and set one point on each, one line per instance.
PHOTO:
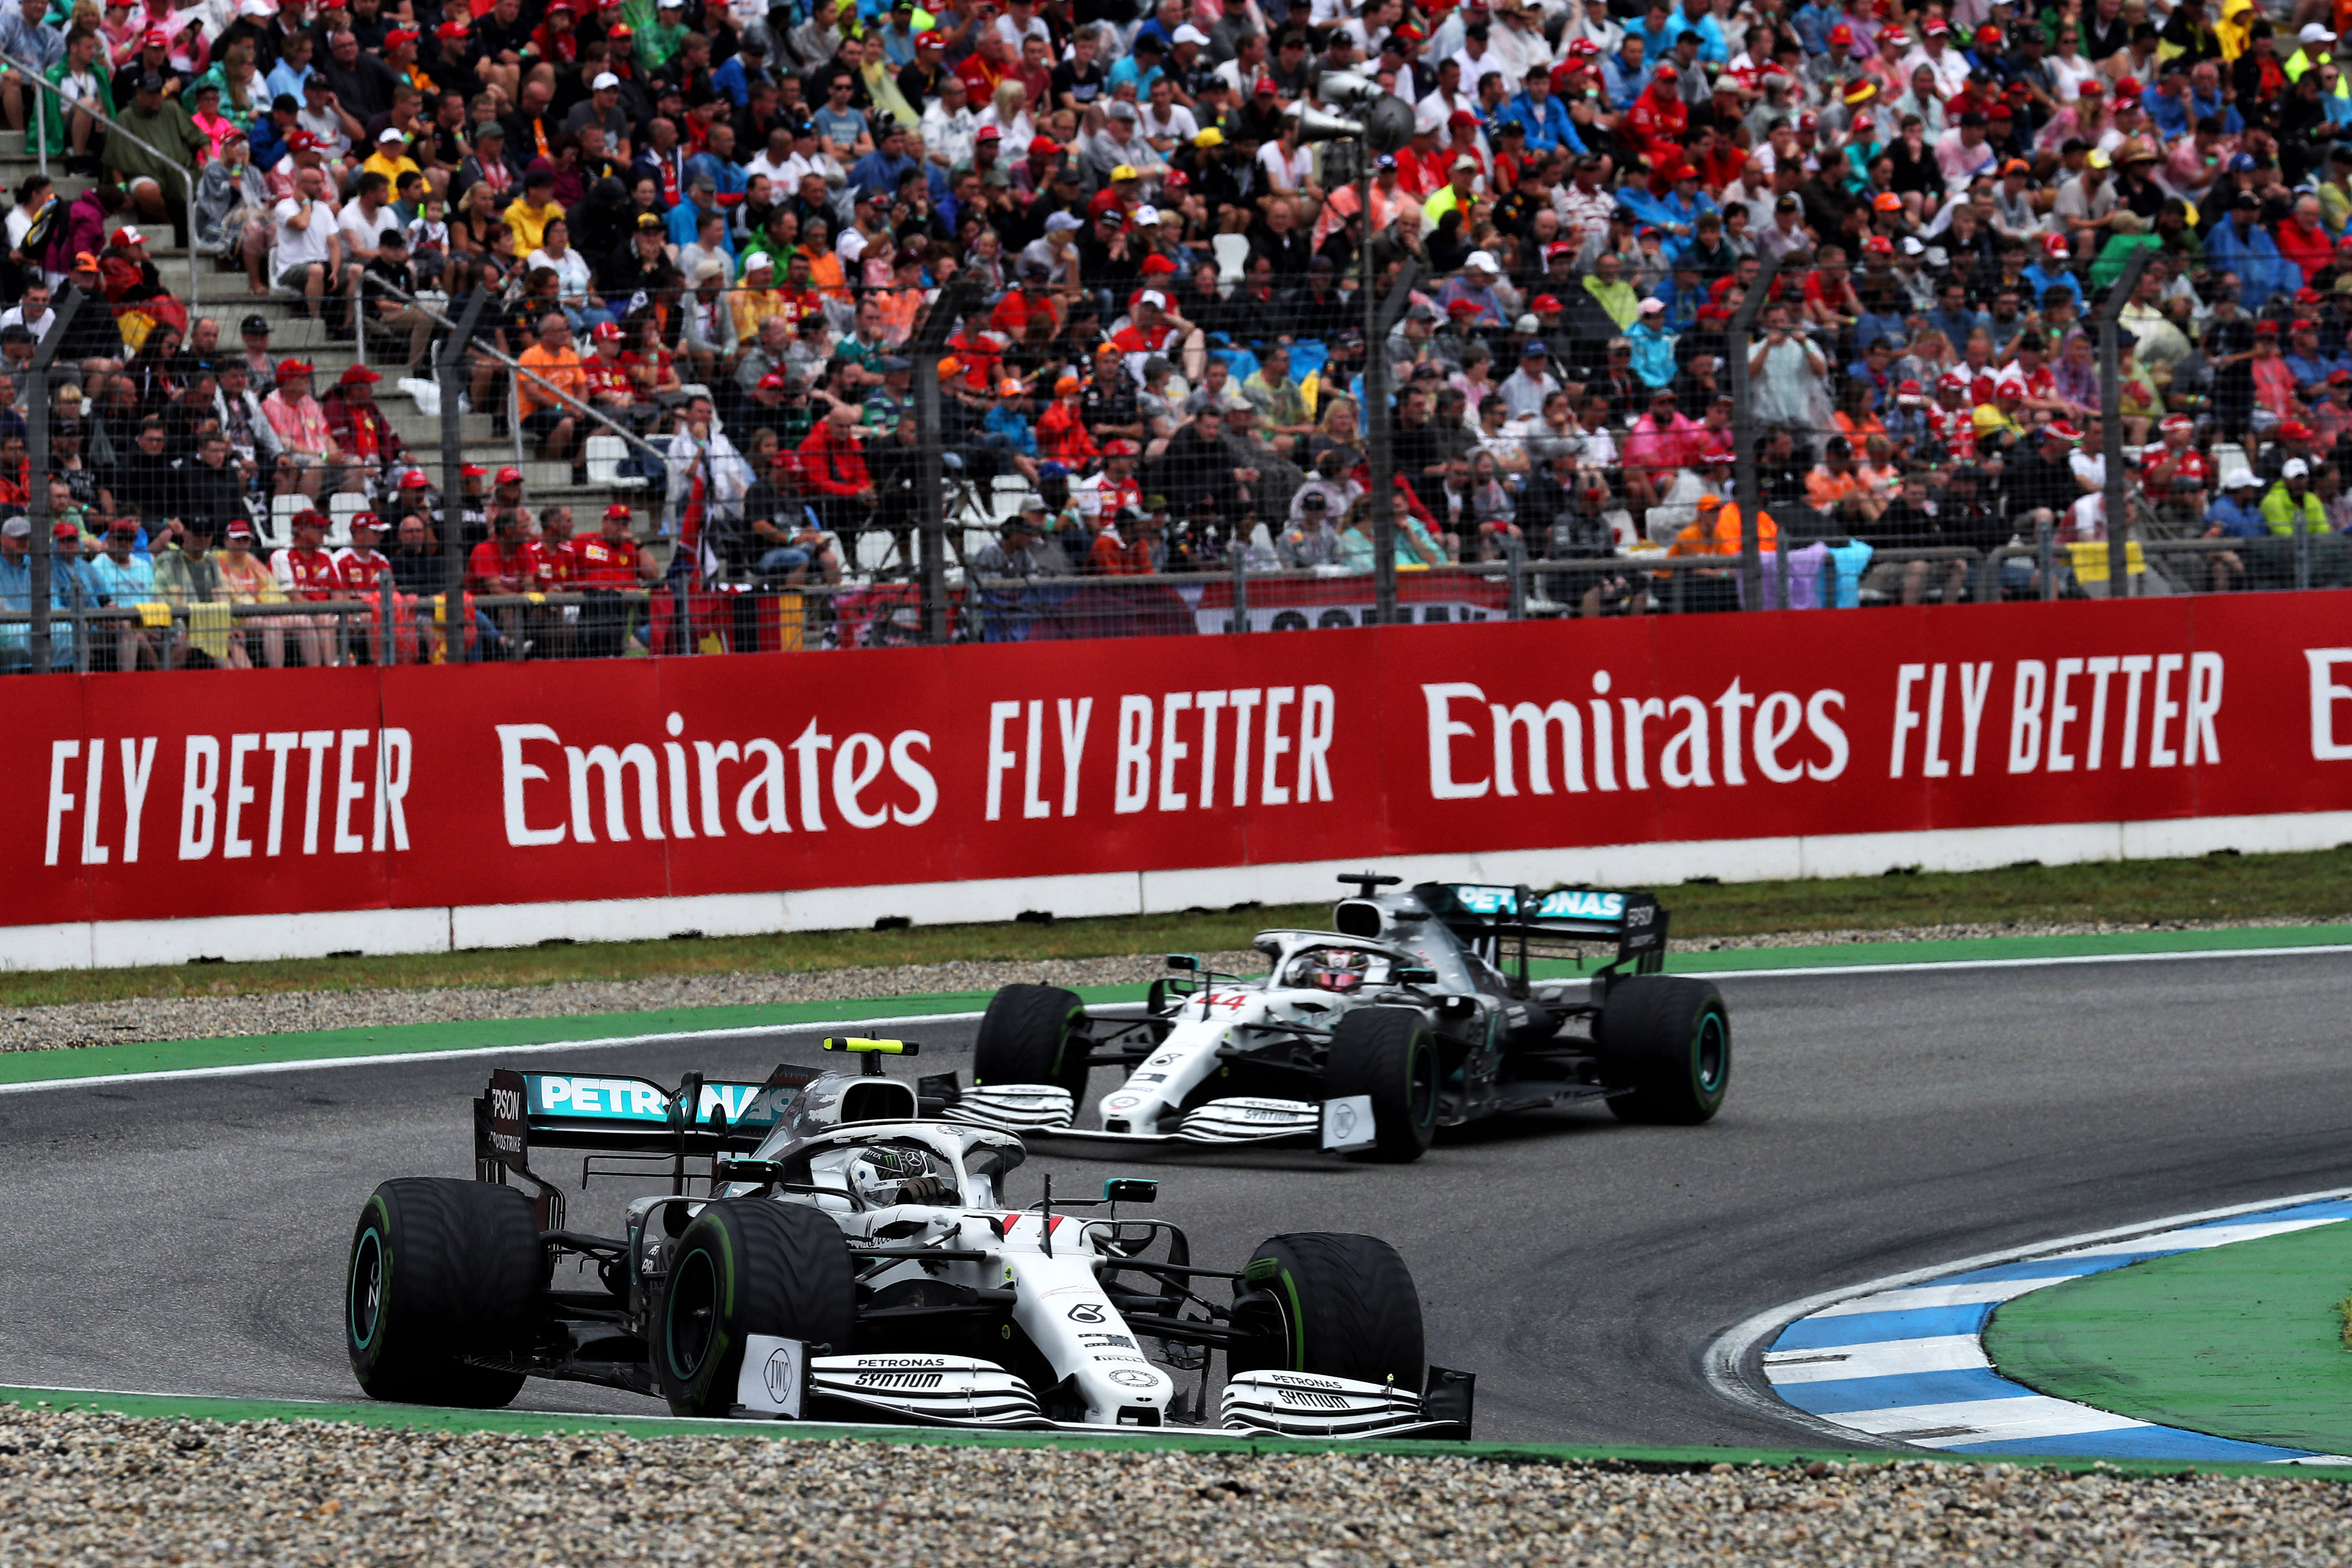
(280, 526)
(1232, 257)
(604, 455)
(340, 509)
(876, 549)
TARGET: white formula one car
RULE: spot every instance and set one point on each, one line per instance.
(1419, 1010)
(850, 1259)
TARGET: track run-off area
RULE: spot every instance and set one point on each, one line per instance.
(183, 1231)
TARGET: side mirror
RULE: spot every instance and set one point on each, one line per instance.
(1131, 1190)
(1183, 961)
(1416, 977)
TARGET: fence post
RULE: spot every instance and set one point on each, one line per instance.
(923, 350)
(1379, 316)
(1239, 551)
(1518, 597)
(37, 476)
(1738, 352)
(453, 479)
(2111, 423)
(2046, 557)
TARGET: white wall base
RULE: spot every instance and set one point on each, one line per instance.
(113, 944)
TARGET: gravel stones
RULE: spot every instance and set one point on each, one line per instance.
(85, 1486)
(288, 1011)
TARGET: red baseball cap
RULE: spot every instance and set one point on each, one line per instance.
(772, 382)
(509, 475)
(473, 471)
(156, 39)
(1544, 302)
(1666, 72)
(450, 30)
(1045, 147)
(1462, 117)
(1264, 87)
(2294, 430)
(414, 480)
(619, 511)
(398, 37)
(1934, 28)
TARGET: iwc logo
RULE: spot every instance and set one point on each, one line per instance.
(779, 1375)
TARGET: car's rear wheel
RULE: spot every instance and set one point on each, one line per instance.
(1667, 1040)
(1389, 1053)
(1034, 1034)
(1340, 1305)
(442, 1270)
(745, 1266)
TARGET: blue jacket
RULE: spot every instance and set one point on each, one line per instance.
(685, 217)
(1669, 211)
(1682, 304)
(2235, 518)
(728, 178)
(2254, 255)
(1548, 126)
(1624, 82)
(16, 594)
(1653, 355)
(2042, 279)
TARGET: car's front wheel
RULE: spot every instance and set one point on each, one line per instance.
(747, 1266)
(1034, 1034)
(1343, 1306)
(1389, 1055)
(441, 1271)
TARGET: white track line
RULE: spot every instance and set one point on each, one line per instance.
(1930, 965)
(323, 1063)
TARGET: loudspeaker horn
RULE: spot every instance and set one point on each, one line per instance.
(1314, 125)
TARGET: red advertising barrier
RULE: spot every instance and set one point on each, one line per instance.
(146, 797)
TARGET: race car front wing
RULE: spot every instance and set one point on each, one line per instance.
(782, 1379)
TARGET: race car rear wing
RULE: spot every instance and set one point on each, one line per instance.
(626, 1120)
(620, 1114)
(1501, 923)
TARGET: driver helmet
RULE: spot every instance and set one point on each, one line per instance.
(1343, 970)
(884, 1167)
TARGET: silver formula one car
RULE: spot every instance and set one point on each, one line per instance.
(1420, 1009)
(849, 1259)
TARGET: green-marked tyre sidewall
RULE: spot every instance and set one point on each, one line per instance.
(372, 1234)
(720, 1349)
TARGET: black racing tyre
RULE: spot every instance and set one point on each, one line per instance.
(1389, 1053)
(747, 1266)
(1340, 1305)
(440, 1270)
(1034, 1034)
(1668, 1039)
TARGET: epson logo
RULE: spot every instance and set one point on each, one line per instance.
(506, 1104)
(900, 1379)
(1312, 1397)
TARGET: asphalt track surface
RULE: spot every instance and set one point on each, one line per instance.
(189, 1236)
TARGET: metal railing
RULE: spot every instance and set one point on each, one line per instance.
(888, 610)
(515, 371)
(65, 109)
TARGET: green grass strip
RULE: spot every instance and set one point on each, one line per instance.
(2242, 1340)
(405, 1039)
(421, 1419)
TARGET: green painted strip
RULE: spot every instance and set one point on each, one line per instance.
(2241, 1340)
(405, 1039)
(423, 1418)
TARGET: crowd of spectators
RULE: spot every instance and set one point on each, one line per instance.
(714, 231)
